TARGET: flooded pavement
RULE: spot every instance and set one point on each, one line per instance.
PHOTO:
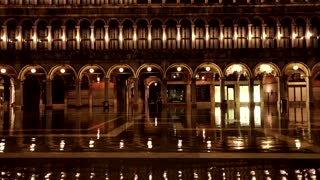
(173, 129)
(175, 142)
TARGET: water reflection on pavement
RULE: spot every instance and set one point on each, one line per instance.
(173, 129)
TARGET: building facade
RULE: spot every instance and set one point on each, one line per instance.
(195, 52)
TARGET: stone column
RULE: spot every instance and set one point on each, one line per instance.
(146, 94)
(293, 35)
(4, 38)
(307, 35)
(263, 41)
(235, 36)
(207, 36)
(278, 35)
(237, 98)
(19, 93)
(262, 101)
(193, 92)
(19, 43)
(188, 93)
(106, 36)
(251, 102)
(78, 37)
(178, 36)
(92, 38)
(149, 36)
(249, 34)
(309, 93)
(193, 37)
(282, 95)
(164, 36)
(135, 39)
(34, 37)
(78, 92)
(212, 94)
(136, 90)
(221, 35)
(63, 37)
(223, 102)
(106, 89)
(120, 36)
(49, 38)
(48, 93)
(164, 91)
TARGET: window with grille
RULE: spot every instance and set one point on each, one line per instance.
(27, 37)
(242, 36)
(113, 37)
(42, 33)
(156, 35)
(227, 37)
(99, 38)
(171, 37)
(56, 38)
(300, 30)
(142, 36)
(199, 37)
(186, 37)
(85, 34)
(256, 37)
(314, 38)
(71, 38)
(285, 30)
(270, 39)
(214, 35)
(128, 37)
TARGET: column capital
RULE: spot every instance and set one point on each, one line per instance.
(49, 27)
(106, 26)
(164, 26)
(4, 26)
(249, 25)
(149, 26)
(91, 27)
(207, 26)
(77, 27)
(178, 25)
(120, 26)
(134, 26)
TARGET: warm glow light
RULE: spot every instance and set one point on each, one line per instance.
(2, 70)
(264, 36)
(155, 84)
(294, 35)
(149, 143)
(221, 36)
(164, 37)
(208, 68)
(149, 37)
(235, 36)
(98, 79)
(134, 36)
(149, 69)
(279, 35)
(49, 38)
(62, 70)
(295, 67)
(207, 36)
(78, 37)
(18, 38)
(121, 69)
(250, 36)
(193, 37)
(34, 38)
(236, 68)
(106, 37)
(92, 37)
(63, 38)
(120, 37)
(308, 35)
(197, 76)
(3, 38)
(179, 69)
(266, 68)
(202, 77)
(33, 70)
(91, 70)
(178, 36)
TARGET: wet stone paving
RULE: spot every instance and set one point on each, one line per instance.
(175, 142)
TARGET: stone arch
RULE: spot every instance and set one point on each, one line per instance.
(88, 66)
(275, 69)
(149, 65)
(120, 66)
(10, 19)
(200, 20)
(39, 20)
(113, 19)
(156, 19)
(211, 65)
(27, 68)
(97, 20)
(126, 20)
(84, 19)
(22, 21)
(302, 67)
(142, 19)
(181, 65)
(57, 67)
(10, 71)
(315, 71)
(257, 18)
(245, 70)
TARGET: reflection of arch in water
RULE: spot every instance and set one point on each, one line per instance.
(31, 93)
(58, 90)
